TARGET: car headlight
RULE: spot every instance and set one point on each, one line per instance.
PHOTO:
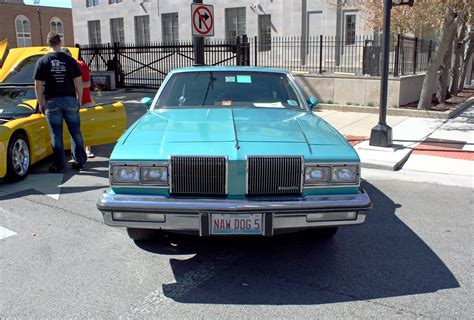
(154, 175)
(317, 175)
(125, 174)
(345, 174)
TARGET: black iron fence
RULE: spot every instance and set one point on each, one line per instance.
(146, 66)
(328, 54)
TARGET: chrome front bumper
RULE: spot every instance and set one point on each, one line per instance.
(193, 215)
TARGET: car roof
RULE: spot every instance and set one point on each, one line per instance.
(228, 68)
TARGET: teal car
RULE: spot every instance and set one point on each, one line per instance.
(232, 151)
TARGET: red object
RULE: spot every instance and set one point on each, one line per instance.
(86, 93)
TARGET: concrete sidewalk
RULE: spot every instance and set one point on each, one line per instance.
(424, 145)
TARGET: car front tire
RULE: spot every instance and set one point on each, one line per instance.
(143, 234)
(18, 157)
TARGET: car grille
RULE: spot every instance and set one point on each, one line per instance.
(274, 175)
(198, 175)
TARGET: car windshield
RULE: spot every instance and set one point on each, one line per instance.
(17, 102)
(229, 89)
(23, 72)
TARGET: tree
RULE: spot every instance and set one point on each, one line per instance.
(468, 58)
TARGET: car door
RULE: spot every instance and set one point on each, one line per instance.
(102, 123)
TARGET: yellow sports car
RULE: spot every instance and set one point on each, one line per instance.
(24, 134)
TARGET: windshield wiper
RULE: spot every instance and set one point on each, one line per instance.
(209, 85)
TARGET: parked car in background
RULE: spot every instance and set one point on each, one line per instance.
(232, 151)
(24, 135)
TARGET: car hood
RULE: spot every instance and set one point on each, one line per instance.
(226, 125)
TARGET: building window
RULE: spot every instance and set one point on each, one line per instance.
(350, 29)
(92, 3)
(114, 1)
(264, 32)
(169, 27)
(23, 31)
(56, 25)
(235, 24)
(116, 30)
(94, 32)
(142, 29)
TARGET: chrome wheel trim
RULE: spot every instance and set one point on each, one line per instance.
(20, 157)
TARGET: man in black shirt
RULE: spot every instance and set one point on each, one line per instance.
(58, 87)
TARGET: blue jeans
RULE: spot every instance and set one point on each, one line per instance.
(67, 109)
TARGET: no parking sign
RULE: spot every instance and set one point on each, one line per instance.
(202, 16)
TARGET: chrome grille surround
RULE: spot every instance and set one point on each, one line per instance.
(198, 175)
(274, 175)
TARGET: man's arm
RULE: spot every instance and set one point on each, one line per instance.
(39, 91)
(78, 86)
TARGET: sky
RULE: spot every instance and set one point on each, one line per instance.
(52, 3)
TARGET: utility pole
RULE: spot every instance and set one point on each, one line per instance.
(381, 134)
(198, 46)
(38, 10)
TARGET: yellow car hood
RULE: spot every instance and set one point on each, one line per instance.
(17, 55)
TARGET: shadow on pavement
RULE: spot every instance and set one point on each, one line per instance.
(381, 258)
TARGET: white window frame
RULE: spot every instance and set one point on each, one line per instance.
(54, 22)
(92, 3)
(120, 33)
(142, 30)
(23, 37)
(97, 35)
(170, 30)
(237, 26)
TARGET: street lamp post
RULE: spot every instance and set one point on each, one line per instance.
(381, 134)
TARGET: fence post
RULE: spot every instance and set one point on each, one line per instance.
(320, 54)
(245, 51)
(255, 46)
(116, 64)
(415, 55)
(397, 57)
(238, 51)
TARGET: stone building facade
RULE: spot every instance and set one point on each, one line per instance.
(28, 25)
(135, 21)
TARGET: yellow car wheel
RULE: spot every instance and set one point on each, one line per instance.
(18, 157)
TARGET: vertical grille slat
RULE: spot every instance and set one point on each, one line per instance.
(198, 175)
(274, 175)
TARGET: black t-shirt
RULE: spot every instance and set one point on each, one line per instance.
(57, 70)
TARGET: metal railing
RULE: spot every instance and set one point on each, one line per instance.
(147, 65)
(329, 54)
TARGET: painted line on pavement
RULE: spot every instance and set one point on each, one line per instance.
(5, 233)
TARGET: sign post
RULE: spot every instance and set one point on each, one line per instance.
(202, 25)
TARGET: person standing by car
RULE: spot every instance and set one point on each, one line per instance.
(58, 88)
(86, 93)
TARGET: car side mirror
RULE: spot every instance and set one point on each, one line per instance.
(312, 102)
(146, 102)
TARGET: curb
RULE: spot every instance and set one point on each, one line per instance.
(400, 112)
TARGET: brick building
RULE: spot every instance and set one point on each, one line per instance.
(28, 25)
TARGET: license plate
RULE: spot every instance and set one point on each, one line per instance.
(236, 223)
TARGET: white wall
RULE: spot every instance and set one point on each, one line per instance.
(286, 17)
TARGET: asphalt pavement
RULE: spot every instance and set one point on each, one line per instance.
(412, 258)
